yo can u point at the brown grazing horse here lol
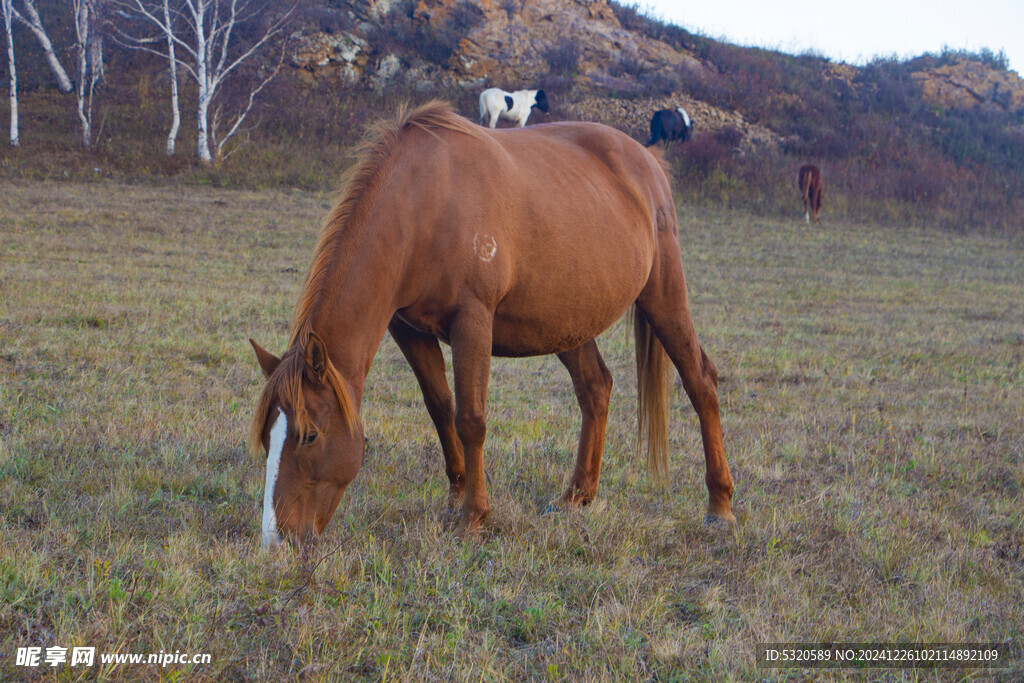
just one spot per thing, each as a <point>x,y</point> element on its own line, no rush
<point>514,242</point>
<point>811,189</point>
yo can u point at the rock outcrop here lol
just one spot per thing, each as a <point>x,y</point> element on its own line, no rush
<point>527,39</point>
<point>342,56</point>
<point>506,43</point>
<point>968,84</point>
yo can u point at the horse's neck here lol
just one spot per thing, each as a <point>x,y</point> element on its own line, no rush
<point>355,306</point>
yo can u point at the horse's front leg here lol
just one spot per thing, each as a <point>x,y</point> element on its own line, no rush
<point>471,340</point>
<point>424,355</point>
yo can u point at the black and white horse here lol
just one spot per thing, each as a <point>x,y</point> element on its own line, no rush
<point>670,124</point>
<point>516,106</point>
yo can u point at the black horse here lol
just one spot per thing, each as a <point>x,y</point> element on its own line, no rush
<point>670,124</point>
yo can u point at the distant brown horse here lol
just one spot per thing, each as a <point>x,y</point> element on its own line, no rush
<point>512,242</point>
<point>811,189</point>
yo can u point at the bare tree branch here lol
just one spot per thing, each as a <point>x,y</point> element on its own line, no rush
<point>32,21</point>
<point>248,108</point>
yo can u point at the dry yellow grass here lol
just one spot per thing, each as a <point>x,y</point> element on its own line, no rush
<point>873,402</point>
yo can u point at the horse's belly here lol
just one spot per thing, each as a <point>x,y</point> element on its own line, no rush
<point>530,336</point>
<point>553,312</point>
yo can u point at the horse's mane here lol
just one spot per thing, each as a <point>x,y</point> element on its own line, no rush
<point>371,156</point>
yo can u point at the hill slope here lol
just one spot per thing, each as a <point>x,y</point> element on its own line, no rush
<point>937,139</point>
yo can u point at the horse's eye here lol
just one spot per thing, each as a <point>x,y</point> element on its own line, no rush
<point>309,438</point>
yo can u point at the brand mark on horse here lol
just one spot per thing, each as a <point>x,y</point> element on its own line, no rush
<point>485,247</point>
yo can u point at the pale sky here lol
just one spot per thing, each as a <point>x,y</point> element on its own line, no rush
<point>857,31</point>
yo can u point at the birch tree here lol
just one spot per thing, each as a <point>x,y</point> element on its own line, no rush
<point>29,17</point>
<point>12,70</point>
<point>86,14</point>
<point>203,39</point>
<point>172,136</point>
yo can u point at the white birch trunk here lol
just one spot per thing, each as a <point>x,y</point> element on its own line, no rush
<point>35,24</point>
<point>12,72</point>
<point>86,76</point>
<point>172,136</point>
<point>203,81</point>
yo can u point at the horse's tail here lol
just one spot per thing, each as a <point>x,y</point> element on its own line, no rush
<point>652,383</point>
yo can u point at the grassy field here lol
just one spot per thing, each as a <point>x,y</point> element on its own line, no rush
<point>872,384</point>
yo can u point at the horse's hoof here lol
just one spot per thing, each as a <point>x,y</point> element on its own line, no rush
<point>574,499</point>
<point>469,532</point>
<point>470,525</point>
<point>720,520</point>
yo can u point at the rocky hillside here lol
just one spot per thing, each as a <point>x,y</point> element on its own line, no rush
<point>511,41</point>
<point>968,84</point>
<point>935,138</point>
<point>581,44</point>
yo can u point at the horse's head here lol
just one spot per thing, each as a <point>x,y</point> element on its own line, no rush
<point>307,423</point>
<point>540,100</point>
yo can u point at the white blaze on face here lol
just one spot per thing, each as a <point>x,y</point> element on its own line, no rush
<point>686,117</point>
<point>278,433</point>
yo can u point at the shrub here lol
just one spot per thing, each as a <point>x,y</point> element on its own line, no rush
<point>729,136</point>
<point>705,154</point>
<point>563,59</point>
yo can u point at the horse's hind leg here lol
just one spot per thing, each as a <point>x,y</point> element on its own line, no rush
<point>664,303</point>
<point>424,355</point>
<point>593,385</point>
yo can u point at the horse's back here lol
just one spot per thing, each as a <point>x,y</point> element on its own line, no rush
<point>548,169</point>
<point>809,175</point>
<point>574,181</point>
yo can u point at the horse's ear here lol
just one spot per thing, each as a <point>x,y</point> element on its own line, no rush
<point>316,357</point>
<point>268,361</point>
